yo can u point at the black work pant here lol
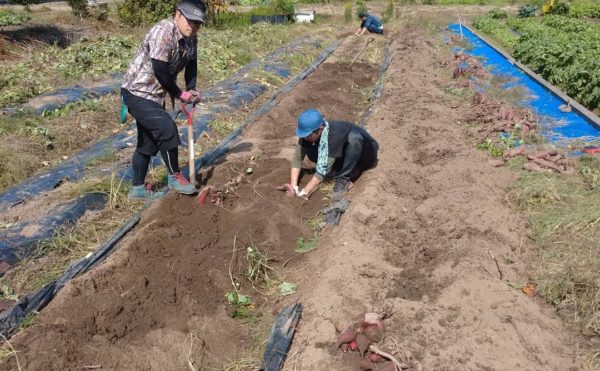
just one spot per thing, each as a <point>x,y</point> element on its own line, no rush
<point>375,30</point>
<point>156,132</point>
<point>360,154</point>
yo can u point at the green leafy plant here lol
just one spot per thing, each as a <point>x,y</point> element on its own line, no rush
<point>7,292</point>
<point>287,288</point>
<point>348,11</point>
<point>79,8</point>
<point>527,10</point>
<point>494,149</point>
<point>555,7</point>
<point>242,303</point>
<point>497,29</point>
<point>591,10</point>
<point>389,11</point>
<point>498,13</point>
<point>9,18</point>
<point>145,12</point>
<point>284,7</point>
<point>361,7</point>
<point>303,246</point>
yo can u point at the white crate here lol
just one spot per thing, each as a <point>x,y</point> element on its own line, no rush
<point>303,16</point>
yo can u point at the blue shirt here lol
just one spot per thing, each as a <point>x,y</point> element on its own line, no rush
<point>372,23</point>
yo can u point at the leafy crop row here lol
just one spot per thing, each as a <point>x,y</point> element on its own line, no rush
<point>591,10</point>
<point>8,18</point>
<point>497,29</point>
<point>562,50</point>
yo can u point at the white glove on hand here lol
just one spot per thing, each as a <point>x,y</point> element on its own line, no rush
<point>296,189</point>
<point>301,193</point>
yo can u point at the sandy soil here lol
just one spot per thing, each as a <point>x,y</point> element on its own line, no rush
<point>416,243</point>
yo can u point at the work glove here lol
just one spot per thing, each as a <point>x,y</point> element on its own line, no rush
<point>301,193</point>
<point>186,97</point>
<point>196,96</point>
<point>289,189</point>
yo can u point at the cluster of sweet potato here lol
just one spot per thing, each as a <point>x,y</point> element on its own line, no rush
<point>361,337</point>
<point>467,66</point>
<point>498,117</point>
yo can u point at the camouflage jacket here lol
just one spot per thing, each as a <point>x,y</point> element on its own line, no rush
<point>165,43</point>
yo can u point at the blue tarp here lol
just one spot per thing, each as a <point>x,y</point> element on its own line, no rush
<point>557,126</point>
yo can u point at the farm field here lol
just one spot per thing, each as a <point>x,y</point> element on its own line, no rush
<point>473,240</point>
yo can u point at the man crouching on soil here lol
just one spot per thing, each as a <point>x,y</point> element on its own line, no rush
<point>341,150</point>
<point>168,48</point>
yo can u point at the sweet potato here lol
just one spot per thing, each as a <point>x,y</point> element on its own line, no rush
<point>375,358</point>
<point>366,365</point>
<point>532,166</point>
<point>201,199</point>
<point>345,337</point>
<point>548,164</point>
<point>513,152</point>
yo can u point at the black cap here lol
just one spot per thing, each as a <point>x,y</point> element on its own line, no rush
<point>363,14</point>
<point>193,10</point>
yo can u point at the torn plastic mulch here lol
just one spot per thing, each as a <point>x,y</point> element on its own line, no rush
<point>25,236</point>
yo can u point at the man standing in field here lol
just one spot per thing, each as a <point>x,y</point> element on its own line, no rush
<point>369,23</point>
<point>168,48</point>
<point>341,150</point>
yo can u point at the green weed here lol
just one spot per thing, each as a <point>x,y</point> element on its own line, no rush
<point>10,18</point>
<point>303,246</point>
<point>105,157</point>
<point>494,149</point>
<point>84,105</point>
<point>6,292</point>
<point>348,11</point>
<point>564,222</point>
<point>29,320</point>
<point>258,269</point>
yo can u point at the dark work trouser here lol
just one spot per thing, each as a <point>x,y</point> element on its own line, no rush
<point>156,132</point>
<point>359,155</point>
<point>375,30</point>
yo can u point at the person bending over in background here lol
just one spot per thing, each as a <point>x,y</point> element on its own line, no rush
<point>341,150</point>
<point>369,23</point>
<point>168,48</point>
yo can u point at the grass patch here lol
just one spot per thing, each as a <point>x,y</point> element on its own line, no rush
<point>17,161</point>
<point>564,220</point>
<point>53,256</point>
<point>105,157</point>
<point>303,246</point>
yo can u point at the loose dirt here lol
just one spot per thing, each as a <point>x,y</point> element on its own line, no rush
<point>416,243</point>
<point>159,301</point>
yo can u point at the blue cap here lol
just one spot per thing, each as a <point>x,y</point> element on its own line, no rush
<point>308,121</point>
